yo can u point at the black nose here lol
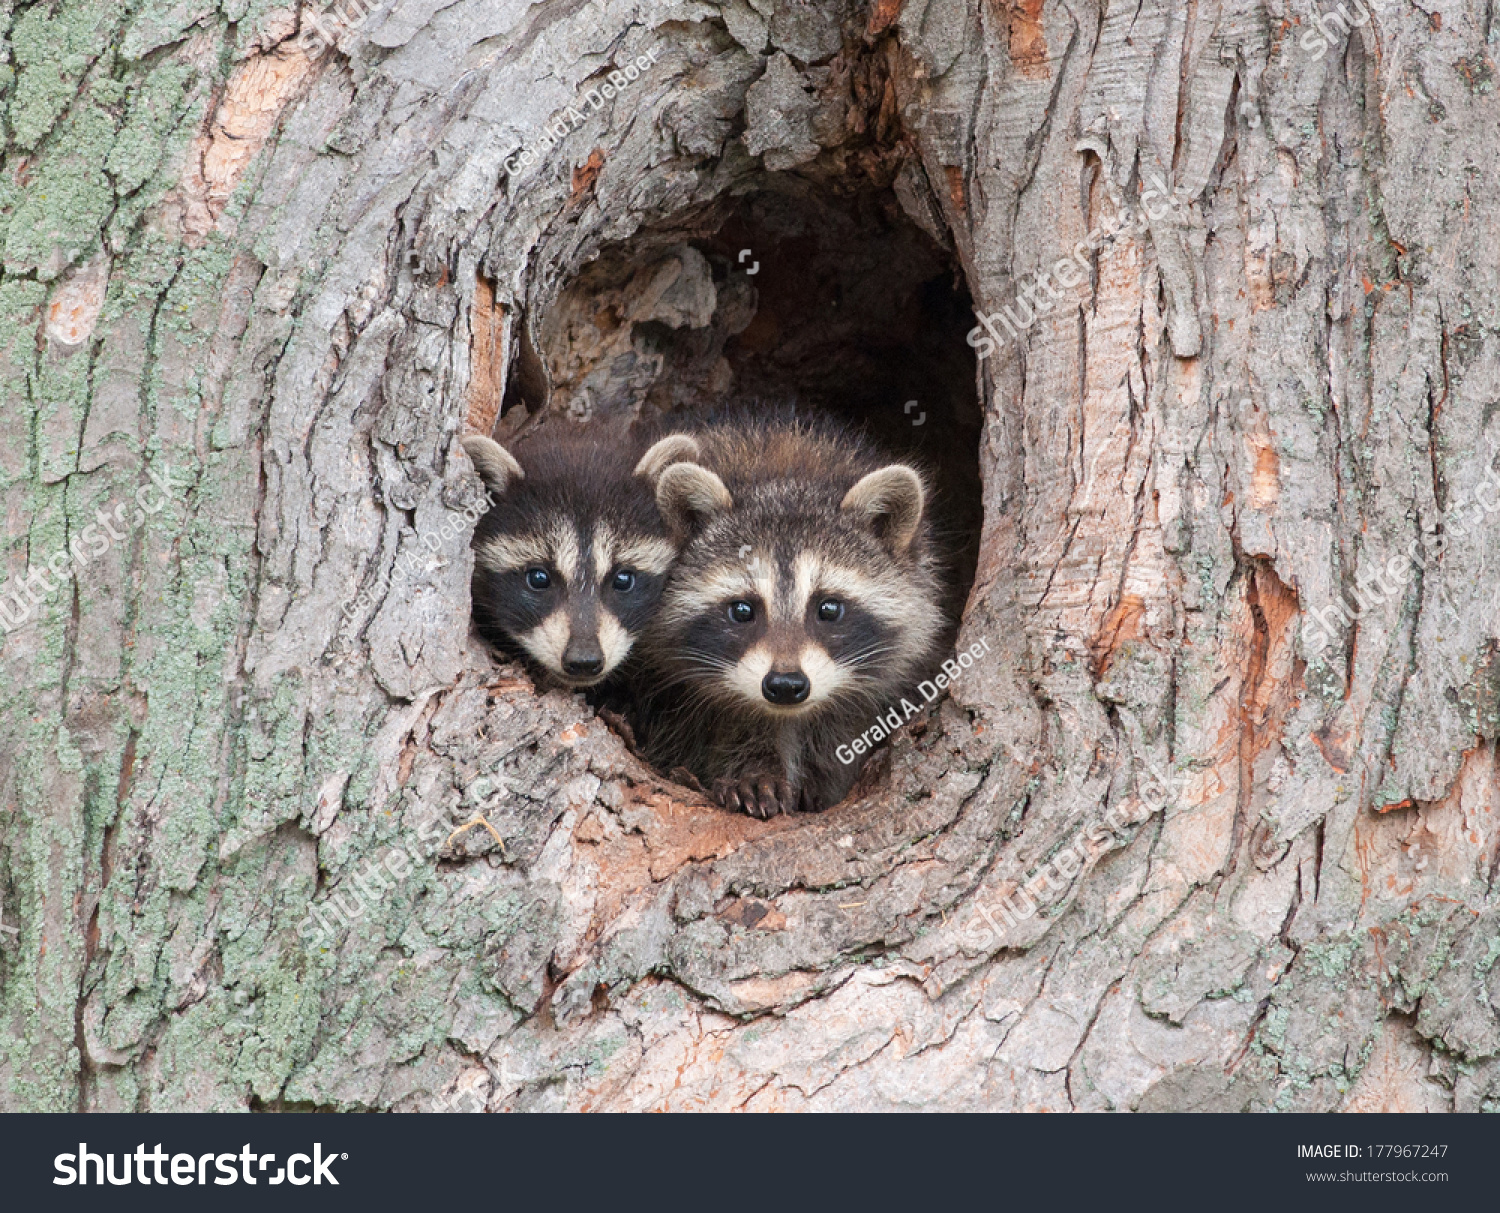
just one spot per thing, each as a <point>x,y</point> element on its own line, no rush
<point>583,667</point>
<point>785,688</point>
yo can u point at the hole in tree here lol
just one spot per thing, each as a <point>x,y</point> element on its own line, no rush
<point>836,304</point>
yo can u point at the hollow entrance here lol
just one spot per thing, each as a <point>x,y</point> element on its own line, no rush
<point>790,295</point>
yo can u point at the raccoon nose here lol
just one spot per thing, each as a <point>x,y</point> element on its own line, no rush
<point>583,659</point>
<point>785,688</point>
<point>583,667</point>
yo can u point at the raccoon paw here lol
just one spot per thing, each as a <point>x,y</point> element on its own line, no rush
<point>808,803</point>
<point>762,797</point>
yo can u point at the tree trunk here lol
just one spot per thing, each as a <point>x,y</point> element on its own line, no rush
<point>283,278</point>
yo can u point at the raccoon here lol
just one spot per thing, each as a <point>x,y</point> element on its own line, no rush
<point>806,596</point>
<point>571,557</point>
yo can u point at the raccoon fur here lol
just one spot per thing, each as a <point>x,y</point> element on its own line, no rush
<point>571,557</point>
<point>805,598</point>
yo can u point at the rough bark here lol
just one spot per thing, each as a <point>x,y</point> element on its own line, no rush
<point>293,278</point>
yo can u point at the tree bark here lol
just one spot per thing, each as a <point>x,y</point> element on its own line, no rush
<point>283,278</point>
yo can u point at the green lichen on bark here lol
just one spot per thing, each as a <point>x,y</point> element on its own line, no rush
<point>53,48</point>
<point>67,199</point>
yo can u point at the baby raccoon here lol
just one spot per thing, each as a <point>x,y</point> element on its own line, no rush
<point>805,598</point>
<point>571,557</point>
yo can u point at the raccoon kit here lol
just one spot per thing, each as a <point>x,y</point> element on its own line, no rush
<point>571,557</point>
<point>805,598</point>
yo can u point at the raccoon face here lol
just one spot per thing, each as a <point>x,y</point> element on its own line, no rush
<point>569,569</point>
<point>787,606</point>
<point>573,597</point>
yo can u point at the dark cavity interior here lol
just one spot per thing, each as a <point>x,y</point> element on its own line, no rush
<point>788,295</point>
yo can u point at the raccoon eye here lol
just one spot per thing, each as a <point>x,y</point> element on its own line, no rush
<point>830,610</point>
<point>624,581</point>
<point>741,612</point>
<point>538,579</point>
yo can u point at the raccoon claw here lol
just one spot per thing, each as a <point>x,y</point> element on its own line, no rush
<point>620,725</point>
<point>761,798</point>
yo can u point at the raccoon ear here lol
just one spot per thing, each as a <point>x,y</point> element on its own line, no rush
<point>674,448</point>
<point>892,499</point>
<point>497,467</point>
<point>687,495</point>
